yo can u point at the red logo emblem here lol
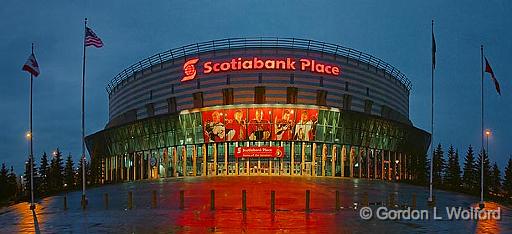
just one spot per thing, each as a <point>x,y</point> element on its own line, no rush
<point>189,70</point>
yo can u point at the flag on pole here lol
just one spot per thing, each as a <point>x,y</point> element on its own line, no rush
<point>433,50</point>
<point>31,65</point>
<point>91,39</point>
<point>488,69</point>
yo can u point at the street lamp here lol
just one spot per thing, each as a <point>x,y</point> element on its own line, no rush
<point>487,134</point>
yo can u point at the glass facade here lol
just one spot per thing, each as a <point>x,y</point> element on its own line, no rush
<point>317,141</point>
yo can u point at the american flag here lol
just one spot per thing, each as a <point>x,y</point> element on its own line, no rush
<point>91,39</point>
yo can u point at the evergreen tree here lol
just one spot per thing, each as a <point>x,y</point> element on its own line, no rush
<point>27,176</point>
<point>438,167</point>
<point>69,173</point>
<point>3,182</point>
<point>452,175</point>
<point>420,170</point>
<point>495,185</point>
<point>44,171</point>
<point>507,183</point>
<point>79,173</point>
<point>487,170</point>
<point>12,184</point>
<point>470,172</point>
<point>56,175</point>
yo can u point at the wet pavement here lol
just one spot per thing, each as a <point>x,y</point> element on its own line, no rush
<point>290,215</point>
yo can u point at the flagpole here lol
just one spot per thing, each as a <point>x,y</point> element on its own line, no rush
<point>430,198</point>
<point>482,130</point>
<point>83,201</point>
<point>32,205</point>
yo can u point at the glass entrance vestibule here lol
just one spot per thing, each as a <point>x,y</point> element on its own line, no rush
<point>218,159</point>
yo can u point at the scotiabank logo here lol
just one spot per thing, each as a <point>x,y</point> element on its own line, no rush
<point>189,70</point>
<point>255,63</point>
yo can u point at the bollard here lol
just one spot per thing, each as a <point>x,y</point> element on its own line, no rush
<point>244,200</point>
<point>391,202</point>
<point>307,200</point>
<point>364,203</point>
<point>212,199</point>
<point>106,200</point>
<point>337,200</point>
<point>83,202</point>
<point>65,201</point>
<point>272,201</point>
<point>153,199</point>
<point>182,199</point>
<point>413,201</point>
<point>130,200</point>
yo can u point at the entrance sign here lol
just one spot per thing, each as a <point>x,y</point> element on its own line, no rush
<point>255,63</point>
<point>259,152</point>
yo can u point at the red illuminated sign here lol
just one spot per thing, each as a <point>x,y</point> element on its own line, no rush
<point>255,63</point>
<point>189,70</point>
<point>259,152</point>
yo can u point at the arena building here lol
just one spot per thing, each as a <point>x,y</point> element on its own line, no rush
<point>259,106</point>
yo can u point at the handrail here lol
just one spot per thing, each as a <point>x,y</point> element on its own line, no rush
<point>257,42</point>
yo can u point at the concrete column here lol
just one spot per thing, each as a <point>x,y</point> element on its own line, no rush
<point>135,166</point>
<point>292,161</point>
<point>174,161</point>
<point>333,160</point>
<point>141,165</point>
<point>226,158</point>
<point>368,163</point>
<point>382,165</point>
<point>303,151</point>
<point>215,158</point>
<point>166,162</point>
<point>236,162</point>
<point>352,155</point>
<point>194,160</point>
<point>313,160</point>
<point>374,154</point>
<point>184,160</point>
<point>343,157</point>
<point>204,160</point>
<point>324,158</point>
<point>360,162</point>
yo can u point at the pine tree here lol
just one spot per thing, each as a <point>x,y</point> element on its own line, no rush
<point>26,178</point>
<point>438,167</point>
<point>44,171</point>
<point>487,170</point>
<point>452,175</point>
<point>69,173</point>
<point>56,175</point>
<point>420,169</point>
<point>470,172</point>
<point>3,182</point>
<point>13,184</point>
<point>507,183</point>
<point>495,185</point>
<point>79,173</point>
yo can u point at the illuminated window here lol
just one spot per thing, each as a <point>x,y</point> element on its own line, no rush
<point>198,99</point>
<point>321,97</point>
<point>171,105</point>
<point>291,95</point>
<point>150,109</point>
<point>347,101</point>
<point>227,96</point>
<point>368,106</point>
<point>259,95</point>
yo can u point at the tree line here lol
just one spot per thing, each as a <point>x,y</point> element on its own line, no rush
<point>449,174</point>
<point>52,175</point>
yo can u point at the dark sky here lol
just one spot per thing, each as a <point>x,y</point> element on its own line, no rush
<point>396,31</point>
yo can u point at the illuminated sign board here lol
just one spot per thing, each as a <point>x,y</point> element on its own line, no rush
<point>259,152</point>
<point>255,63</point>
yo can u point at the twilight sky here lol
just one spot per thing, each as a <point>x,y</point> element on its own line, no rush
<point>396,31</point>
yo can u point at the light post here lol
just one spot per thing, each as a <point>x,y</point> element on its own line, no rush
<point>486,151</point>
<point>487,134</point>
